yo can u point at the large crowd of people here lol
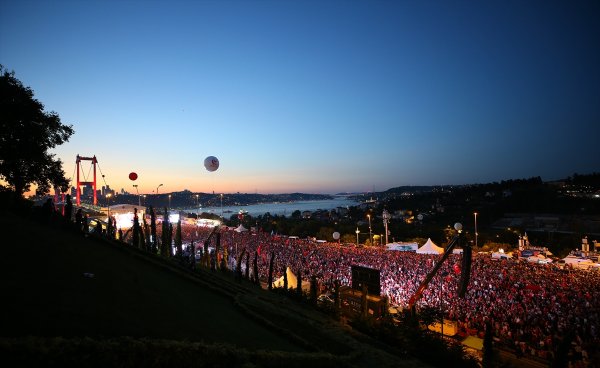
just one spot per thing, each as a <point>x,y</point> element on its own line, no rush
<point>534,309</point>
<point>531,308</point>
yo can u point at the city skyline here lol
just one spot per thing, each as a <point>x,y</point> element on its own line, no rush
<point>314,97</point>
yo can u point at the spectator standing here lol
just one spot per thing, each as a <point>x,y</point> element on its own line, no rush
<point>47,210</point>
<point>68,208</point>
<point>78,219</point>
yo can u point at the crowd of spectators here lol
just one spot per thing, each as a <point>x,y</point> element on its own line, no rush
<point>532,308</point>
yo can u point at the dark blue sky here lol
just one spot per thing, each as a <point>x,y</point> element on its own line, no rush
<point>315,96</point>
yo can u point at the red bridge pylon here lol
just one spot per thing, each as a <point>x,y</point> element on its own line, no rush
<point>80,183</point>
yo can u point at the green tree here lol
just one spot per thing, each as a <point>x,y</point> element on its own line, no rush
<point>27,133</point>
<point>348,238</point>
<point>326,233</point>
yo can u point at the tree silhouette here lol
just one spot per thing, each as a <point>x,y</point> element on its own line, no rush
<point>247,266</point>
<point>153,230</point>
<point>146,232</point>
<point>170,240</point>
<point>135,232</point>
<point>166,240</point>
<point>255,274</point>
<point>299,284</point>
<point>270,278</point>
<point>27,133</point>
<point>178,243</point>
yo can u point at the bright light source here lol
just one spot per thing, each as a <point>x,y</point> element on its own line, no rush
<point>124,220</point>
<point>173,217</point>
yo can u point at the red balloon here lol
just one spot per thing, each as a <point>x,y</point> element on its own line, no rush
<point>132,176</point>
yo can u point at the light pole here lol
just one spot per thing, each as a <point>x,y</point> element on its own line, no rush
<point>221,206</point>
<point>475,214</point>
<point>357,232</point>
<point>370,233</point>
<point>108,195</point>
<point>198,204</point>
<point>169,202</point>
<point>159,185</point>
<point>138,194</point>
<point>386,219</point>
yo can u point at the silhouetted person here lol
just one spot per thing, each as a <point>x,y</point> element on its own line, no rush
<point>68,208</point>
<point>85,227</point>
<point>47,210</point>
<point>78,220</point>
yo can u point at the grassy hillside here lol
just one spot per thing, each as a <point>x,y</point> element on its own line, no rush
<point>154,308</point>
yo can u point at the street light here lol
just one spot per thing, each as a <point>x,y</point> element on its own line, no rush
<point>138,193</point>
<point>475,214</point>
<point>159,185</point>
<point>357,232</point>
<point>169,201</point>
<point>386,219</point>
<point>197,203</point>
<point>221,205</point>
<point>108,195</point>
<point>370,233</point>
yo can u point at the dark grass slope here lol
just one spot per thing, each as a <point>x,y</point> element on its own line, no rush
<point>48,290</point>
<point>150,312</point>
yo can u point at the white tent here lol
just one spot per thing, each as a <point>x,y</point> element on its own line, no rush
<point>430,248</point>
<point>240,228</point>
<point>292,281</point>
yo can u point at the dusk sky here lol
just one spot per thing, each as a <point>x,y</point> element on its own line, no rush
<point>314,96</point>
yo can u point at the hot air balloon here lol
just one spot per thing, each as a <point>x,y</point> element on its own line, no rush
<point>132,176</point>
<point>211,163</point>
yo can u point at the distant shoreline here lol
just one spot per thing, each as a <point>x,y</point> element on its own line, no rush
<point>278,208</point>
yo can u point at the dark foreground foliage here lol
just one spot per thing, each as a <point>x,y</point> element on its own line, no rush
<point>127,352</point>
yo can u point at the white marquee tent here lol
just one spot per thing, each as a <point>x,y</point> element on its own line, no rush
<point>430,248</point>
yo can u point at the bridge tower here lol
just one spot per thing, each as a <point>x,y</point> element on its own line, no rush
<point>80,183</point>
